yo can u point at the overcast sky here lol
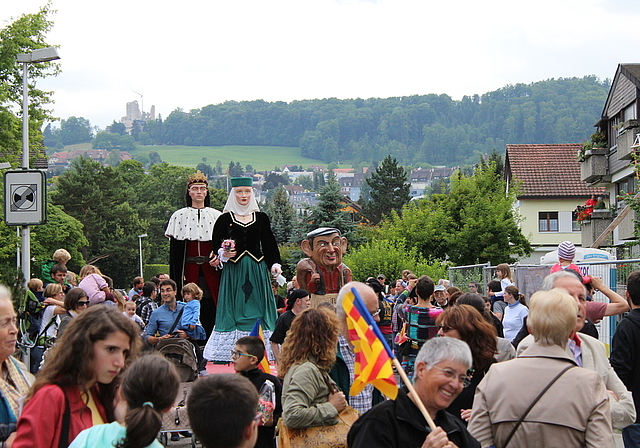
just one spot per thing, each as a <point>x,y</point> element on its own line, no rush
<point>191,53</point>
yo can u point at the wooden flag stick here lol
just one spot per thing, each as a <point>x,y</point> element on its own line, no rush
<point>413,393</point>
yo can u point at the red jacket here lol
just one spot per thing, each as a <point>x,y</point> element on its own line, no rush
<point>40,422</point>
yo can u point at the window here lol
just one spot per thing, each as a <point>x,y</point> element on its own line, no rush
<point>575,224</point>
<point>548,221</point>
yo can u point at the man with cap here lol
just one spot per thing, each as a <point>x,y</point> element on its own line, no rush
<point>440,296</point>
<point>298,300</point>
<point>323,273</point>
<point>190,232</point>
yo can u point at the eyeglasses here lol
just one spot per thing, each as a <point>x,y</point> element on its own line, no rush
<point>83,303</point>
<point>445,328</point>
<point>235,354</point>
<point>198,188</point>
<point>465,380</point>
<point>374,313</point>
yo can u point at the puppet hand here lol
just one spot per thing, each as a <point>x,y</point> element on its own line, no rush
<point>276,269</point>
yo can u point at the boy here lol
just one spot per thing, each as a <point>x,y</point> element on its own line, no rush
<point>246,356</point>
<point>222,411</point>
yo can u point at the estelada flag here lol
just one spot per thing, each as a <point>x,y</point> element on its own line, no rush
<point>257,331</point>
<point>373,355</point>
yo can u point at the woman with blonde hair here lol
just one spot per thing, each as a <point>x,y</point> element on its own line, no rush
<point>464,322</point>
<point>309,395</point>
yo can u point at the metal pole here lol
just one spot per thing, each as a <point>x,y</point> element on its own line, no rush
<point>140,246</point>
<point>26,233</point>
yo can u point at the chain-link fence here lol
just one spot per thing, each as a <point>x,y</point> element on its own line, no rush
<point>529,278</point>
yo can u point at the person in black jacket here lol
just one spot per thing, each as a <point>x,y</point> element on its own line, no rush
<point>440,375</point>
<point>246,357</point>
<point>625,358</point>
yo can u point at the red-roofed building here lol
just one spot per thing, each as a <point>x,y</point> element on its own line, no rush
<point>550,191</point>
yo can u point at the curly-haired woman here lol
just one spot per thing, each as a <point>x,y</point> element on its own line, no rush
<point>309,396</point>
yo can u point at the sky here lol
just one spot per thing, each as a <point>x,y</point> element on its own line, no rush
<point>192,53</point>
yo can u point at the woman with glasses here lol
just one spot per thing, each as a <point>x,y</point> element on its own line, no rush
<point>440,375</point>
<point>309,395</point>
<point>464,322</point>
<point>75,302</point>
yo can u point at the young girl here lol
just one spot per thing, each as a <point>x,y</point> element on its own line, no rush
<point>130,312</point>
<point>149,388</point>
<point>75,390</point>
<point>190,320</point>
<point>94,284</point>
<point>503,272</point>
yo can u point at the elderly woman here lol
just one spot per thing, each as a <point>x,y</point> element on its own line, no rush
<point>251,256</point>
<point>440,375</point>
<point>309,395</point>
<point>16,377</point>
<point>561,405</point>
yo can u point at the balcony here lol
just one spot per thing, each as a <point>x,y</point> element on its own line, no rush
<point>594,165</point>
<point>593,228</point>
<point>626,138</point>
<point>627,226</point>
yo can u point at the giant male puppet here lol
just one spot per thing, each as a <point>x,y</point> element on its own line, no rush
<point>323,273</point>
<point>190,231</point>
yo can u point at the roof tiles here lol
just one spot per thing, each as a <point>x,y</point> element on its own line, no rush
<point>548,170</point>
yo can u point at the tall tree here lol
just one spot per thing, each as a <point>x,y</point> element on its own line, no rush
<point>24,35</point>
<point>282,215</point>
<point>389,190</point>
<point>328,212</point>
<point>75,130</point>
<point>98,197</point>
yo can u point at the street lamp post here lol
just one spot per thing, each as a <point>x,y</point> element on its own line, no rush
<point>144,235</point>
<point>39,55</point>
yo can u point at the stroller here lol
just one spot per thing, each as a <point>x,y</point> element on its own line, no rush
<point>182,354</point>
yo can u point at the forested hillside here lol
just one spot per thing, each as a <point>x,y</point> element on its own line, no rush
<point>417,129</point>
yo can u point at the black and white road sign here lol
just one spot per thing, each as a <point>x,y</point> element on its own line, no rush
<point>24,193</point>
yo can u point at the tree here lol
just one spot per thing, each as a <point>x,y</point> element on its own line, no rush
<point>235,169</point>
<point>328,212</point>
<point>474,223</point>
<point>98,197</point>
<point>274,180</point>
<point>24,35</point>
<point>75,130</point>
<point>305,182</point>
<point>116,128</point>
<point>282,215</point>
<point>389,190</point>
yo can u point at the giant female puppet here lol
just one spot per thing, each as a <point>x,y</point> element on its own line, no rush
<point>250,257</point>
<point>190,230</point>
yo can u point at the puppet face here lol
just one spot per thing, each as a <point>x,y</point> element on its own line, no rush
<point>327,250</point>
<point>198,192</point>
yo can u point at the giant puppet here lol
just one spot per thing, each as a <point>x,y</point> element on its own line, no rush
<point>190,231</point>
<point>323,273</point>
<point>250,258</point>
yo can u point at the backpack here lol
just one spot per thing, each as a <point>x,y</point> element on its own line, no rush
<point>30,313</point>
<point>140,303</point>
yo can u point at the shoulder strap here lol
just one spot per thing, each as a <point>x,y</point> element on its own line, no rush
<point>533,403</point>
<point>175,322</point>
<point>66,420</point>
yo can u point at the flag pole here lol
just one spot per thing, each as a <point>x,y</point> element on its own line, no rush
<point>413,393</point>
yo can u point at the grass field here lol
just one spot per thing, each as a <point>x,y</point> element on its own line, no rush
<point>261,158</point>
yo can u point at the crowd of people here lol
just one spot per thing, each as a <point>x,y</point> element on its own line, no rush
<point>490,370</point>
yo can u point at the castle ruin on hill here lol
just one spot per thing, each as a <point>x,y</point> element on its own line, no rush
<point>134,114</point>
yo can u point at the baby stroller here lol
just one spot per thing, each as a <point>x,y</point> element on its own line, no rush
<point>182,354</point>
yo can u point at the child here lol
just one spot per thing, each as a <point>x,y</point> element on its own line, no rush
<point>130,312</point>
<point>222,411</point>
<point>246,356</point>
<point>94,284</point>
<point>61,257</point>
<point>148,389</point>
<point>566,254</point>
<point>190,320</point>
